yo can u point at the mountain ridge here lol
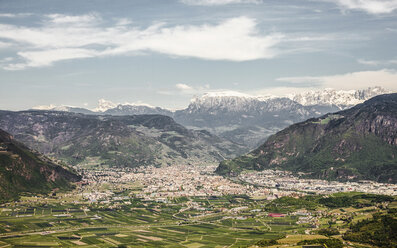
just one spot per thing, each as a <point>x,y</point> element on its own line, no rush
<point>357,143</point>
<point>121,141</point>
<point>241,118</point>
<point>340,98</point>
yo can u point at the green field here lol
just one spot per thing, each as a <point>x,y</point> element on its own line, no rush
<point>135,223</point>
<point>122,220</point>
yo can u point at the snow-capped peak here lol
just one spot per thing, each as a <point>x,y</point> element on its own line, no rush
<point>44,107</point>
<point>227,100</point>
<point>137,104</point>
<point>341,98</point>
<point>230,93</point>
<point>225,94</point>
<point>52,107</point>
<point>222,96</point>
<point>237,102</point>
<point>104,105</point>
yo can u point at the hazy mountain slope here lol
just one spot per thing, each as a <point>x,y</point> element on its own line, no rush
<point>137,110</point>
<point>64,108</point>
<point>124,141</point>
<point>358,143</point>
<point>238,117</point>
<point>24,170</point>
<point>249,120</point>
<point>244,119</point>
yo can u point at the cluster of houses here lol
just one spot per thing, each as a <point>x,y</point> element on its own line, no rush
<point>285,180</point>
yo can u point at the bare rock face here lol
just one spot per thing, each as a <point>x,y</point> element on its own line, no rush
<point>358,143</point>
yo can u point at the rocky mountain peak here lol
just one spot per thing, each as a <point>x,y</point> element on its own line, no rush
<point>341,98</point>
<point>104,105</point>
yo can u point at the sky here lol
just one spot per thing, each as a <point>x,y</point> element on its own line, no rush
<point>164,52</point>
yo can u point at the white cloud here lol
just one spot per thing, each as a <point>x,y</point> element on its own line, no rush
<point>66,19</point>
<point>369,6</point>
<point>376,62</point>
<point>7,59</point>
<point>4,44</point>
<point>12,15</point>
<point>7,15</point>
<point>235,39</point>
<point>48,57</point>
<point>219,2</point>
<point>62,37</point>
<point>183,87</point>
<point>362,79</point>
<point>368,62</point>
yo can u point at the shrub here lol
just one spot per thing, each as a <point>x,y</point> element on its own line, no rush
<point>330,243</point>
<point>266,242</point>
<point>328,231</point>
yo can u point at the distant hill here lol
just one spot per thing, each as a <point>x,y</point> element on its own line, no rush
<point>244,119</point>
<point>358,143</point>
<point>137,110</point>
<point>24,170</point>
<point>120,141</point>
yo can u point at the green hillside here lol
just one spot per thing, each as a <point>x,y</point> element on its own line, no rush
<point>358,143</point>
<point>115,141</point>
<point>24,170</point>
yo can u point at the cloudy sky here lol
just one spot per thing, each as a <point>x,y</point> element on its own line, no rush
<point>163,52</point>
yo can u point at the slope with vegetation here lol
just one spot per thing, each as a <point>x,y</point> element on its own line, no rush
<point>379,230</point>
<point>121,141</point>
<point>24,170</point>
<point>241,118</point>
<point>358,143</point>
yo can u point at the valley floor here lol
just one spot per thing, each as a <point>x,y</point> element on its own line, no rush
<point>181,206</point>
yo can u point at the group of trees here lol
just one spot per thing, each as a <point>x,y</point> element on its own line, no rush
<point>359,200</point>
<point>379,231</point>
<point>330,243</point>
<point>328,231</point>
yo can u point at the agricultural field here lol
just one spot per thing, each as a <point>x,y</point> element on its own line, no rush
<point>119,219</point>
<point>133,223</point>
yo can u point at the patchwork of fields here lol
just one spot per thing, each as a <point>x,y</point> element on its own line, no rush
<point>121,219</point>
<point>138,224</point>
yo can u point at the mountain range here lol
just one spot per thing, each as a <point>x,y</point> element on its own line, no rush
<point>24,170</point>
<point>121,141</point>
<point>342,99</point>
<point>241,118</point>
<point>357,143</point>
